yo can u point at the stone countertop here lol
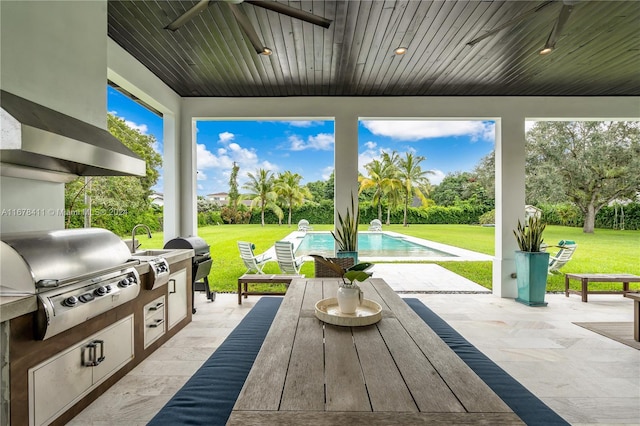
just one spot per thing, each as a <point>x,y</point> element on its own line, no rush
<point>15,306</point>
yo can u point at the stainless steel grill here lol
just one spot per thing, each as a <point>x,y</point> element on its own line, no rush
<point>76,274</point>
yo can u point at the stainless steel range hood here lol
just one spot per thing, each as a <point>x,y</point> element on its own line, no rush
<point>39,143</point>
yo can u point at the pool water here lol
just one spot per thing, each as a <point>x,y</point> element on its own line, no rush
<point>375,244</point>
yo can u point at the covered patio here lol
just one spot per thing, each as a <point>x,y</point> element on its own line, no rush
<point>465,60</point>
<point>584,377</point>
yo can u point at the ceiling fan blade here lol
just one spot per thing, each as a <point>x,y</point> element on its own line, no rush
<point>559,25</point>
<point>292,11</point>
<point>188,15</point>
<point>509,23</point>
<point>247,28</point>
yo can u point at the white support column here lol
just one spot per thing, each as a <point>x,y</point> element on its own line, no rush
<point>171,173</point>
<point>345,161</point>
<point>510,195</point>
<point>188,167</point>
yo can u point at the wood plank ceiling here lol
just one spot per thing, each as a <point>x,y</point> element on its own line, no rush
<point>597,53</point>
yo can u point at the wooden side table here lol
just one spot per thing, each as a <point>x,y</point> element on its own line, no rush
<point>625,279</point>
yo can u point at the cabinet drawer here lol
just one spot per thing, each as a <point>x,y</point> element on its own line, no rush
<point>154,320</point>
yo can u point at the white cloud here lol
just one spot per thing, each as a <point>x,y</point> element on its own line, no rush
<point>528,125</point>
<point>370,145</point>
<point>304,123</point>
<point>437,177</point>
<point>225,137</point>
<point>201,175</point>
<point>413,130</point>
<point>326,172</point>
<point>142,128</point>
<point>319,142</point>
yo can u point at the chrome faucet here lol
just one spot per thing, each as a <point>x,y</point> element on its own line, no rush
<point>133,236</point>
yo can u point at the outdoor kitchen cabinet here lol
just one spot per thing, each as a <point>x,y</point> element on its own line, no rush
<point>60,381</point>
<point>177,305</point>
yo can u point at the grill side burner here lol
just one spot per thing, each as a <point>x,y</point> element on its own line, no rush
<point>76,274</point>
<point>200,266</point>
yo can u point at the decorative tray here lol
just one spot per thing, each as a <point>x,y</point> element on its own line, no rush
<point>369,312</point>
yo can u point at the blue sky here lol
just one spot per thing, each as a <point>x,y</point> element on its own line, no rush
<point>306,147</point>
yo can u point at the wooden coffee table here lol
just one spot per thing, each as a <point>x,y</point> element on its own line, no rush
<point>397,371</point>
<point>636,315</point>
<point>585,279</point>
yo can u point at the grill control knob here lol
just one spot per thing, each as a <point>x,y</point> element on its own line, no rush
<point>100,291</point>
<point>132,280</point>
<point>124,283</point>
<point>70,301</point>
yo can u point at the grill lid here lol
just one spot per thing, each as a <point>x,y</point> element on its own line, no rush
<point>27,258</point>
<point>199,246</point>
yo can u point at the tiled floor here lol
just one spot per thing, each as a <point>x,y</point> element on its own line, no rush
<point>584,377</point>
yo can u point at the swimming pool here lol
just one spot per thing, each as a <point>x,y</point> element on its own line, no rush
<point>373,244</point>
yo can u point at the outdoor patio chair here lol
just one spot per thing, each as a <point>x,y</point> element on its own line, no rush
<point>557,261</point>
<point>288,263</point>
<point>251,261</point>
<point>375,225</point>
<point>304,226</point>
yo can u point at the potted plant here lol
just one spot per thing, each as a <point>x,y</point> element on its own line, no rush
<point>349,293</point>
<point>532,264</point>
<point>346,233</point>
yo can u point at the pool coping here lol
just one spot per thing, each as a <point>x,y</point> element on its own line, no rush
<point>461,255</point>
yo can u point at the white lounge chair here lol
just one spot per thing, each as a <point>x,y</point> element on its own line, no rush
<point>251,261</point>
<point>375,225</point>
<point>557,261</point>
<point>304,226</point>
<point>289,264</point>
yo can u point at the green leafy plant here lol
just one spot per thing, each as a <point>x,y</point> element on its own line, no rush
<point>346,234</point>
<point>529,236</point>
<point>356,272</point>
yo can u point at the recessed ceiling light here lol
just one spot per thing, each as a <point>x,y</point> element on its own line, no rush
<point>546,50</point>
<point>400,51</point>
<point>266,51</point>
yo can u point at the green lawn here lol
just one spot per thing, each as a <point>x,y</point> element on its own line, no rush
<point>605,251</point>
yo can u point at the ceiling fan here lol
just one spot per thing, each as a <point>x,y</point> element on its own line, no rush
<point>243,20</point>
<point>563,17</point>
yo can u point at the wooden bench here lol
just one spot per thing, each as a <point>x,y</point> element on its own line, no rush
<point>636,315</point>
<point>246,279</point>
<point>625,279</point>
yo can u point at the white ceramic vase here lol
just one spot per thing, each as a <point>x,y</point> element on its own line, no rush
<point>349,298</point>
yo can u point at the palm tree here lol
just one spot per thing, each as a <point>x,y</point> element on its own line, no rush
<point>393,185</point>
<point>289,190</point>
<point>413,178</point>
<point>261,192</point>
<point>381,179</point>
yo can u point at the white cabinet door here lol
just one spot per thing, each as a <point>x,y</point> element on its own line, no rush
<point>57,384</point>
<point>65,378</point>
<point>177,304</point>
<point>118,349</point>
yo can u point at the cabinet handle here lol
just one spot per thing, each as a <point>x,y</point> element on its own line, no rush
<point>174,285</point>
<point>93,358</point>
<point>157,306</point>
<point>158,323</point>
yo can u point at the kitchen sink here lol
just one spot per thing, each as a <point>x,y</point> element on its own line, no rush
<point>152,253</point>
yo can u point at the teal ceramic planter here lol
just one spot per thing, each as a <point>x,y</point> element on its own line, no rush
<point>353,254</point>
<point>531,271</point>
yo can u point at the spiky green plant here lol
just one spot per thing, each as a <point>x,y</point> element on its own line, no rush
<point>346,234</point>
<point>529,236</point>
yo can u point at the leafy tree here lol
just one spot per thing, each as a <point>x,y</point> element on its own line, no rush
<point>262,193</point>
<point>413,178</point>
<point>485,172</point>
<point>118,201</point>
<point>375,182</point>
<point>590,163</point>
<point>461,187</point>
<point>288,188</point>
<point>393,186</point>
<point>233,186</point>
